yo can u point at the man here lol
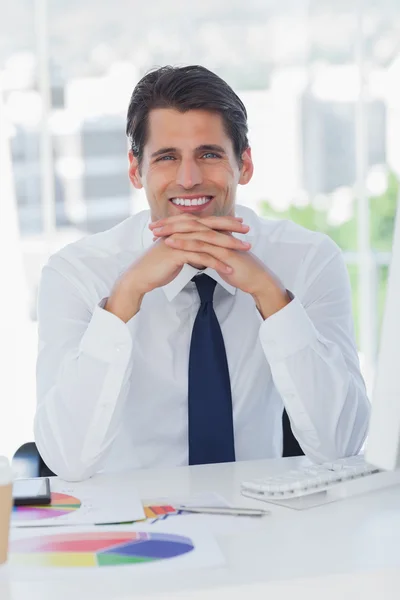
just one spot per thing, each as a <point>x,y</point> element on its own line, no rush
<point>180,335</point>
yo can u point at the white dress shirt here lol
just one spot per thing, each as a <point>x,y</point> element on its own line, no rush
<point>113,396</point>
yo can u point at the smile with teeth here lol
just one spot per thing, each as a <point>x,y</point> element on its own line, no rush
<point>192,201</point>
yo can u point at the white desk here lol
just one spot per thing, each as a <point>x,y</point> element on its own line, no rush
<point>348,549</point>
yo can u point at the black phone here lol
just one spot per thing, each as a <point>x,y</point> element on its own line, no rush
<point>31,491</point>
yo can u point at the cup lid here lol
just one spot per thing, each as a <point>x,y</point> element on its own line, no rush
<point>6,474</point>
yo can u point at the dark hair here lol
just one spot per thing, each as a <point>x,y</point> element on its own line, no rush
<point>185,88</point>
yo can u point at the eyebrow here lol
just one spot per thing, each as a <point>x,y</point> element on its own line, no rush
<point>163,151</point>
<point>202,148</point>
<point>210,148</point>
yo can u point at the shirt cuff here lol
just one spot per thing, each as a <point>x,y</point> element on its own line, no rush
<point>107,338</point>
<point>287,331</point>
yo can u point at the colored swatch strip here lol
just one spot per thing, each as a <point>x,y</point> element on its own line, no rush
<point>155,511</point>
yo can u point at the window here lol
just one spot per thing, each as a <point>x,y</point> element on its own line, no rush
<point>325,148</point>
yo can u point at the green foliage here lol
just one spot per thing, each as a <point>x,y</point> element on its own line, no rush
<point>383,211</point>
<point>382,217</point>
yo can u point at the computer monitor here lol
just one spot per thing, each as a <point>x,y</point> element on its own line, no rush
<point>383,442</point>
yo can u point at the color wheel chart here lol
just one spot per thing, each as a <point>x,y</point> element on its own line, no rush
<point>61,504</point>
<point>103,549</point>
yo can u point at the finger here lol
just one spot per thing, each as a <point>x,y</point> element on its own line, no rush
<point>209,236</point>
<point>186,217</point>
<point>179,227</point>
<point>192,226</point>
<point>224,255</point>
<point>183,216</point>
<point>221,222</point>
<point>206,260</point>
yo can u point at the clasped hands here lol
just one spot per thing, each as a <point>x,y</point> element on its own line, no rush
<point>235,263</point>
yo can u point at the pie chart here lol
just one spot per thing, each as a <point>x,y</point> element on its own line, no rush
<point>61,504</point>
<point>92,549</point>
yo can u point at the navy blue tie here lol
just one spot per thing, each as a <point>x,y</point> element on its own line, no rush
<point>211,437</point>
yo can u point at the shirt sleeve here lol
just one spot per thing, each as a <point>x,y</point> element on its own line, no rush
<point>83,369</point>
<point>310,346</point>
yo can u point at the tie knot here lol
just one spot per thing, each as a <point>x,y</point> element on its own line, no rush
<point>205,286</point>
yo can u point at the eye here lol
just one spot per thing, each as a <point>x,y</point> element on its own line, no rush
<point>211,155</point>
<point>164,158</point>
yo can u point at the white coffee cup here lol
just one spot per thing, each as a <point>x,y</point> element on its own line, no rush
<point>6,479</point>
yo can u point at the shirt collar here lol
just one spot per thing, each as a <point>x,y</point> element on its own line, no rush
<point>187,273</point>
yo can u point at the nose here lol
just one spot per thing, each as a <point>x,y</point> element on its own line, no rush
<point>189,174</point>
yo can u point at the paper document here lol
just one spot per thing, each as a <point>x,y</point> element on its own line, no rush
<point>102,499</point>
<point>95,551</point>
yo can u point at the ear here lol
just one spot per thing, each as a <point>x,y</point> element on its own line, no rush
<point>246,171</point>
<point>134,171</point>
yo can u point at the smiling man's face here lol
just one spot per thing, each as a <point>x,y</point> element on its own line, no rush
<point>189,165</point>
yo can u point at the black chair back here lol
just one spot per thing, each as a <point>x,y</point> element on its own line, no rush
<point>291,446</point>
<point>27,462</point>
